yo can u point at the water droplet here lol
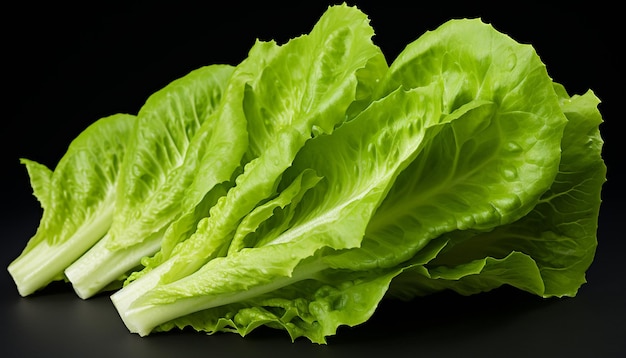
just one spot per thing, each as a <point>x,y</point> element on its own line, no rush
<point>513,147</point>
<point>509,172</point>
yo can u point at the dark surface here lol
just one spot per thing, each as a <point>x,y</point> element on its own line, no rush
<point>67,67</point>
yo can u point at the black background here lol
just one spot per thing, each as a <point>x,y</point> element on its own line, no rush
<point>66,66</point>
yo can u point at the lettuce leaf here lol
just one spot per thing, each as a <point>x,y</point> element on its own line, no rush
<point>77,199</point>
<point>181,149</point>
<point>490,165</point>
<point>548,251</point>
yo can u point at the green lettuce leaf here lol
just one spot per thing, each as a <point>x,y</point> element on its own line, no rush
<point>487,167</point>
<point>231,111</point>
<point>557,238</point>
<point>179,132</point>
<point>182,147</point>
<point>77,199</point>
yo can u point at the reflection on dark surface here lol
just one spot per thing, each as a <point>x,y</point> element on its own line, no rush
<point>444,322</point>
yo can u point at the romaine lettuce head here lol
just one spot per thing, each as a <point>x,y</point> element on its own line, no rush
<point>306,184</point>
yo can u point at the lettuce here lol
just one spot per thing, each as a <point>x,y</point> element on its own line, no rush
<point>301,187</point>
<point>78,200</point>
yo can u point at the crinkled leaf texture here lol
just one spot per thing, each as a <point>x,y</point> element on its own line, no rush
<point>180,133</point>
<point>182,148</point>
<point>77,198</point>
<point>548,251</point>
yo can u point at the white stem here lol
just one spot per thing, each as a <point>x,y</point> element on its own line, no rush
<point>44,263</point>
<point>144,318</point>
<point>101,266</point>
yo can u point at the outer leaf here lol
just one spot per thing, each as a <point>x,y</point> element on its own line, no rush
<point>560,232</point>
<point>166,156</point>
<point>516,269</point>
<point>231,110</point>
<point>77,198</point>
<point>182,148</point>
<point>311,308</point>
